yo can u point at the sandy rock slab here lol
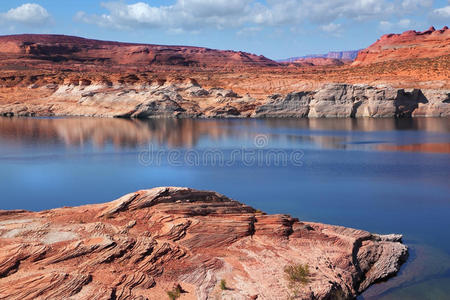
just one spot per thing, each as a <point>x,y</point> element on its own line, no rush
<point>142,245</point>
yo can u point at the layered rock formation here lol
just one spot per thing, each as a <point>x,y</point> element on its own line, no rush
<point>409,44</point>
<point>319,61</point>
<point>342,100</point>
<point>341,55</point>
<point>189,100</point>
<point>145,243</point>
<point>45,75</point>
<point>62,52</point>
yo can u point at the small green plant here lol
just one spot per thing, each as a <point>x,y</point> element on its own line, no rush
<point>173,295</point>
<point>296,275</point>
<point>223,285</point>
<point>175,292</point>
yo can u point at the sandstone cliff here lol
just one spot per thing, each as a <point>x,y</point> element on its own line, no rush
<point>409,44</point>
<point>319,61</point>
<point>341,55</point>
<point>141,245</point>
<point>62,52</point>
<point>45,75</point>
<point>131,98</point>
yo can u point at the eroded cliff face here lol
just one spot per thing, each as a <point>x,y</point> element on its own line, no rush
<point>187,99</point>
<point>141,245</point>
<point>400,75</point>
<point>409,44</point>
<point>343,100</point>
<point>61,52</point>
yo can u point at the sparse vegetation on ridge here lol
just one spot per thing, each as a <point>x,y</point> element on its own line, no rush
<point>223,285</point>
<point>296,275</point>
<point>175,293</point>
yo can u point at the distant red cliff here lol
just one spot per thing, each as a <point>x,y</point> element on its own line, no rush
<point>70,50</point>
<point>57,75</point>
<point>410,44</point>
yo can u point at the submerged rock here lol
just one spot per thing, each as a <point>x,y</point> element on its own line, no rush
<point>142,245</point>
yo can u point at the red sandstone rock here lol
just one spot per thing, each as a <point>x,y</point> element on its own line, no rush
<point>145,243</point>
<point>408,45</point>
<point>45,75</point>
<point>62,51</point>
<point>320,61</point>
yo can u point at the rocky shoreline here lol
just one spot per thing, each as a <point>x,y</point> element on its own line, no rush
<point>190,100</point>
<point>142,245</point>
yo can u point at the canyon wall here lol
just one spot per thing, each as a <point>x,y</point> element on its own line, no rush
<point>62,52</point>
<point>401,75</point>
<point>190,100</point>
<point>409,44</point>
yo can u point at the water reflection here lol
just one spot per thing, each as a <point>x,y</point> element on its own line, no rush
<point>360,134</point>
<point>48,163</point>
<point>100,132</point>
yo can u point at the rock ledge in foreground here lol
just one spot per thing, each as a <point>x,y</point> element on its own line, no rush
<point>141,245</point>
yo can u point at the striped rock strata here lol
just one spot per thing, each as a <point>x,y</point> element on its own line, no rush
<point>189,100</point>
<point>141,245</point>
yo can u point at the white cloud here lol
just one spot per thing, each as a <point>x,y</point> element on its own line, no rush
<point>248,31</point>
<point>184,14</point>
<point>329,10</point>
<point>31,14</point>
<point>404,23</point>
<point>441,14</point>
<point>332,28</point>
<point>399,25</point>
<point>412,5</point>
<point>197,15</point>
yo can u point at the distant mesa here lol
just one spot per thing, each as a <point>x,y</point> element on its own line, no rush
<point>61,52</point>
<point>62,49</point>
<point>410,44</point>
<point>320,59</point>
<point>407,45</point>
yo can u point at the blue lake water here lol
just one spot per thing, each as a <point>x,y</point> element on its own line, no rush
<point>385,176</point>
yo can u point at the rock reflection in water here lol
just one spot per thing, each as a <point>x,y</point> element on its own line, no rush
<point>175,133</point>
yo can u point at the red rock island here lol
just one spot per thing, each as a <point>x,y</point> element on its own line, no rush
<point>152,242</point>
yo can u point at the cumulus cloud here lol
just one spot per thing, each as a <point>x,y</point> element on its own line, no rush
<point>441,14</point>
<point>401,24</point>
<point>202,14</point>
<point>31,14</point>
<point>413,5</point>
<point>248,31</point>
<point>184,14</point>
<point>332,28</point>
<point>326,11</point>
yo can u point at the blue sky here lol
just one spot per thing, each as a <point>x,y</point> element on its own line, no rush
<point>274,28</point>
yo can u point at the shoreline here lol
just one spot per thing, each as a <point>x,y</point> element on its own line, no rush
<point>190,100</point>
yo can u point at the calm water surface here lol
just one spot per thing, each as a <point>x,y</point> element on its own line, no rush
<point>385,176</point>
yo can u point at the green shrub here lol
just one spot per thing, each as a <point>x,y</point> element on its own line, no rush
<point>174,293</point>
<point>296,275</point>
<point>223,285</point>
